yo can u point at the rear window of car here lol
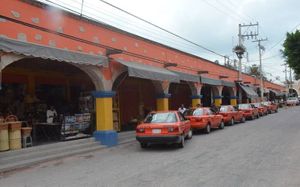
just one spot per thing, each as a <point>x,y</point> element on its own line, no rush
<point>198,112</point>
<point>168,117</point>
<point>244,106</point>
<point>223,109</point>
<point>256,104</point>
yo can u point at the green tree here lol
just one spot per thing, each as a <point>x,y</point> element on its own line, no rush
<point>291,51</point>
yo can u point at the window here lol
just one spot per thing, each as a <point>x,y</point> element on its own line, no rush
<point>169,117</point>
<point>224,109</point>
<point>198,112</point>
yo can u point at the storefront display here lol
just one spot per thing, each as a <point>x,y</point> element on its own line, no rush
<point>73,125</point>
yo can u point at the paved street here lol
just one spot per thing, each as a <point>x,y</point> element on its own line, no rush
<point>264,152</point>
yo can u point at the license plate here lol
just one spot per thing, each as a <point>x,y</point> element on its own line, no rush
<point>156,131</point>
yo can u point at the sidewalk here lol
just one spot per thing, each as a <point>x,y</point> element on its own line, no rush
<point>12,160</point>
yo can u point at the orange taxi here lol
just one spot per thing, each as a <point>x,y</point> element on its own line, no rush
<point>231,115</point>
<point>262,109</point>
<point>250,111</point>
<point>272,107</point>
<point>164,127</point>
<point>204,118</point>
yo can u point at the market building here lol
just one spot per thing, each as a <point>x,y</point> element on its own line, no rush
<point>100,79</point>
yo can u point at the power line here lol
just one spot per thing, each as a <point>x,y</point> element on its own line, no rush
<point>153,34</point>
<point>137,17</point>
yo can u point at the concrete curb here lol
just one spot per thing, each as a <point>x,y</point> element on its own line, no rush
<point>33,162</point>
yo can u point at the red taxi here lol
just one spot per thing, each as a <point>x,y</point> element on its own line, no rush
<point>262,109</point>
<point>231,115</point>
<point>272,107</point>
<point>164,127</point>
<point>250,112</point>
<point>204,118</point>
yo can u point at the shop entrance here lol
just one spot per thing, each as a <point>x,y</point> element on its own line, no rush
<point>134,99</point>
<point>227,92</point>
<point>180,94</point>
<point>54,98</point>
<point>208,92</point>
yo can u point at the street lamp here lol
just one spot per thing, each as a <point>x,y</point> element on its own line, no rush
<point>239,51</point>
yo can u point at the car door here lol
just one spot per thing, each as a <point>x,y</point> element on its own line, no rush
<point>184,123</point>
<point>231,112</point>
<point>212,117</point>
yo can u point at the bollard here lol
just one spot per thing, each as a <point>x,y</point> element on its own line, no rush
<point>4,145</point>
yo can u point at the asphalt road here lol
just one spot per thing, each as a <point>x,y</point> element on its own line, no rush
<point>263,152</point>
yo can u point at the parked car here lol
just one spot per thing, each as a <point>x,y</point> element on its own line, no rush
<point>231,115</point>
<point>262,109</point>
<point>292,101</point>
<point>204,118</point>
<point>166,127</point>
<point>272,107</point>
<point>250,111</point>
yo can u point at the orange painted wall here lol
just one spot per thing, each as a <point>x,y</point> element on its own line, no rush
<point>85,34</point>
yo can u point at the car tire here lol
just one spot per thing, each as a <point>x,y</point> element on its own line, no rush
<point>231,122</point>
<point>207,129</point>
<point>221,126</point>
<point>243,120</point>
<point>276,110</point>
<point>257,116</point>
<point>190,134</point>
<point>181,143</point>
<point>252,117</point>
<point>144,145</point>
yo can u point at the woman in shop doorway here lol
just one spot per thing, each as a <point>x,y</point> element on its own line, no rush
<point>51,114</point>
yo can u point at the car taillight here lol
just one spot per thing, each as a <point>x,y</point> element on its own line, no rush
<point>140,130</point>
<point>172,129</point>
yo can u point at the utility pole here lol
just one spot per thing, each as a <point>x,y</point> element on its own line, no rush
<point>260,49</point>
<point>250,33</point>
<point>291,80</point>
<point>286,78</point>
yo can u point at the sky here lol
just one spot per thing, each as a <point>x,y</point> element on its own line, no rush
<point>212,24</point>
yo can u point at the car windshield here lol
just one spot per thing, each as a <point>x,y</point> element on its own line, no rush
<point>168,117</point>
<point>198,112</point>
<point>244,106</point>
<point>223,109</point>
<point>256,104</point>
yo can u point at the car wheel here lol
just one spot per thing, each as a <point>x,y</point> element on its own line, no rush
<point>207,129</point>
<point>252,117</point>
<point>257,116</point>
<point>181,143</point>
<point>231,122</point>
<point>190,134</point>
<point>243,120</point>
<point>276,110</point>
<point>221,126</point>
<point>144,145</point>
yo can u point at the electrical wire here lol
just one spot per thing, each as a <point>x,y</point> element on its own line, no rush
<point>165,30</point>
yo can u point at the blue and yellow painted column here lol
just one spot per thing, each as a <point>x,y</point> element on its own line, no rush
<point>104,118</point>
<point>218,100</point>
<point>162,102</point>
<point>233,100</point>
<point>196,100</point>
